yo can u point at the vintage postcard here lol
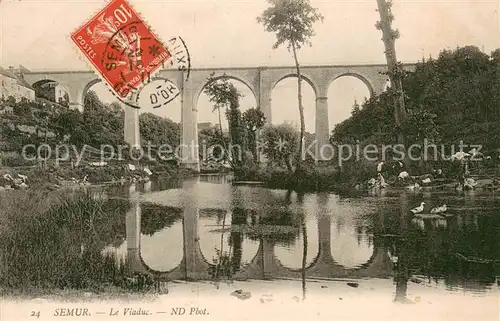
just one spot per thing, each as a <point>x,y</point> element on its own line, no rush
<point>249,160</point>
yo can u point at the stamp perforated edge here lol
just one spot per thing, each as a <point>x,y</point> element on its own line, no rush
<point>99,75</point>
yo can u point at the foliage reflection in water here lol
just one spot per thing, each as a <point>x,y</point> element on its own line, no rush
<point>375,235</point>
<point>460,252</point>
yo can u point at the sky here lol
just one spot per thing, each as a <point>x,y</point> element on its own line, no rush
<point>224,33</point>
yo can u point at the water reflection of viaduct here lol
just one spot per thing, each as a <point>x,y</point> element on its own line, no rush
<point>264,265</point>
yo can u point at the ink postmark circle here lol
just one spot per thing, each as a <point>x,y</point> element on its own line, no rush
<point>158,93</point>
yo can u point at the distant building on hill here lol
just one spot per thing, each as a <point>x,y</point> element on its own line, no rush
<point>5,109</point>
<point>14,86</point>
<point>53,91</point>
<point>46,89</point>
<point>206,125</point>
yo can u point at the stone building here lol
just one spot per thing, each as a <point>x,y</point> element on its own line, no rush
<point>205,125</point>
<point>53,91</point>
<point>5,109</point>
<point>14,86</point>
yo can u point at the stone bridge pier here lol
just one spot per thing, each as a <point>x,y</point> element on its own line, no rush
<point>193,265</point>
<point>133,233</point>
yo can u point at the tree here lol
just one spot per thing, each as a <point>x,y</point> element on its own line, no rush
<point>355,108</point>
<point>116,107</point>
<point>292,22</point>
<point>452,98</point>
<point>223,94</point>
<point>156,217</point>
<point>22,110</point>
<point>395,70</point>
<point>105,124</point>
<point>280,144</point>
<point>209,138</point>
<point>237,133</point>
<point>419,127</point>
<point>65,100</point>
<point>11,100</point>
<point>303,227</point>
<point>159,131</point>
<point>253,120</point>
<point>42,121</point>
<point>68,123</point>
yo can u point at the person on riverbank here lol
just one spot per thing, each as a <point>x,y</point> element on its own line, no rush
<point>438,174</point>
<point>381,181</point>
<point>380,167</point>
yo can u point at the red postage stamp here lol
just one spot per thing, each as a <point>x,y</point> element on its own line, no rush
<point>121,47</point>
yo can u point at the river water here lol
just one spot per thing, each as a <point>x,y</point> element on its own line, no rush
<point>367,235</point>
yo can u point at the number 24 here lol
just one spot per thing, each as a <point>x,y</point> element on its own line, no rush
<point>35,314</point>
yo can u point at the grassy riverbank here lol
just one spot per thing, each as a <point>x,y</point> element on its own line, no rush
<point>104,292</point>
<point>50,242</point>
<point>39,178</point>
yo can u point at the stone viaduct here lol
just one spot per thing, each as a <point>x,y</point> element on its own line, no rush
<point>260,80</point>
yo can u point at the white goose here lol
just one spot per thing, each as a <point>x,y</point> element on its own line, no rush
<point>439,209</point>
<point>403,175</point>
<point>23,177</point>
<point>22,185</point>
<point>470,182</point>
<point>426,181</point>
<point>85,180</point>
<point>15,181</point>
<point>418,209</point>
<point>460,156</point>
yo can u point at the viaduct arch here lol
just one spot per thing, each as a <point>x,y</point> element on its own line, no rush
<point>260,80</point>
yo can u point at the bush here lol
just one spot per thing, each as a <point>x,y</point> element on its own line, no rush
<point>309,179</point>
<point>246,172</point>
<point>15,160</point>
<point>352,173</point>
